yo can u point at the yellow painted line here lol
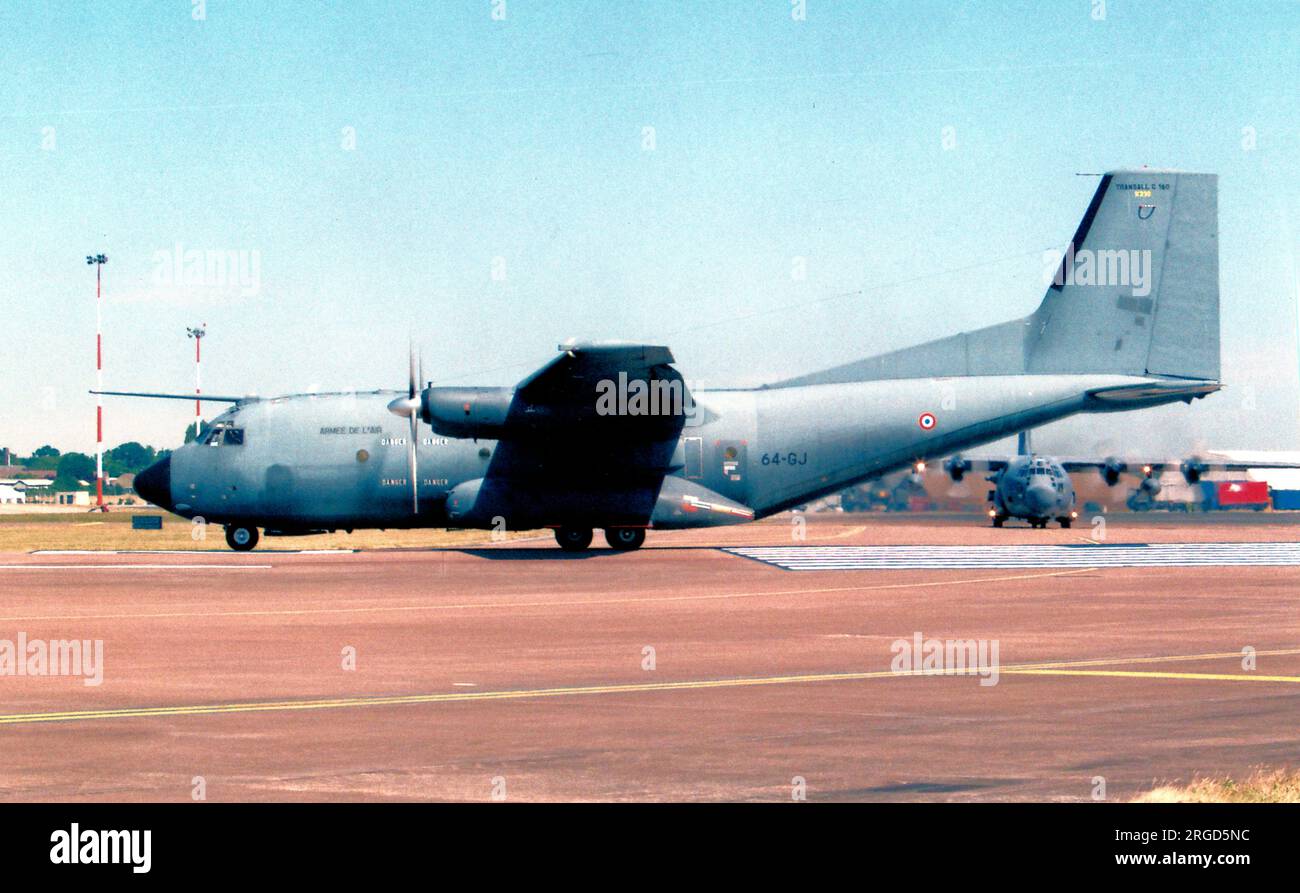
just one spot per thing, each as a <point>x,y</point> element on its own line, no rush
<point>1111,661</point>
<point>134,567</point>
<point>843,534</point>
<point>568,603</point>
<point>1150,674</point>
<point>383,701</point>
<point>627,688</point>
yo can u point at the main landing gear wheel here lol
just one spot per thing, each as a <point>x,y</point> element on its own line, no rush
<point>625,539</point>
<point>241,539</point>
<point>1065,523</point>
<point>998,520</point>
<point>573,539</point>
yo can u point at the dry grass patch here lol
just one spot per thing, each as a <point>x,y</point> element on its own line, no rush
<point>1265,786</point>
<point>95,531</point>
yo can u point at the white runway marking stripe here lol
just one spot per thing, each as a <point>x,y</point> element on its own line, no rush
<point>188,552</point>
<point>827,558</point>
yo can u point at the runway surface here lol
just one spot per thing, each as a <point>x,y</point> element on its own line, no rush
<point>678,672</point>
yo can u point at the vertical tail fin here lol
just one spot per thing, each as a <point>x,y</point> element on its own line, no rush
<point>1137,291</point>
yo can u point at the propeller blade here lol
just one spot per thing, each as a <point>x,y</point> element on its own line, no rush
<point>412,388</point>
<point>408,407</point>
<point>412,469</point>
<point>412,385</point>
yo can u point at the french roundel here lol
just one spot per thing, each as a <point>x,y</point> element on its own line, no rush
<point>926,421</point>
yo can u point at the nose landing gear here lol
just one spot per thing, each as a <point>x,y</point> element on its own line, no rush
<point>240,538</point>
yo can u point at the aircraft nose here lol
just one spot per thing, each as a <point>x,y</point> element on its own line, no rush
<point>1039,498</point>
<point>154,484</point>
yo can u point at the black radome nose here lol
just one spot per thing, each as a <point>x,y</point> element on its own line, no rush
<point>154,484</point>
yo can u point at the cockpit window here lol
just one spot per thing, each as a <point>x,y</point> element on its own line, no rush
<point>223,433</point>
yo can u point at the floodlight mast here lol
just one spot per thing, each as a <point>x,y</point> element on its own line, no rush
<point>98,261</point>
<point>197,333</point>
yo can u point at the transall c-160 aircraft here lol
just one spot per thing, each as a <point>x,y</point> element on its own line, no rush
<point>582,443</point>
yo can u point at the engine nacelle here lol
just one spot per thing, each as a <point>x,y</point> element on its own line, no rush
<point>957,467</point>
<point>478,413</point>
<point>1111,469</point>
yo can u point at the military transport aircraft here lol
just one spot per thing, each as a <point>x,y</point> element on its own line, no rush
<point>606,436</point>
<point>1038,488</point>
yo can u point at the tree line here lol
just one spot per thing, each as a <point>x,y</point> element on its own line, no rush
<point>70,469</point>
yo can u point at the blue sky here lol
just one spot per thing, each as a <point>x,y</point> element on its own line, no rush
<point>520,145</point>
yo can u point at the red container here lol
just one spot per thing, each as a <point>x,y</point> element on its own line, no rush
<point>1242,493</point>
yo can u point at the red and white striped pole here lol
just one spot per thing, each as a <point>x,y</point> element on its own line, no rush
<point>197,334</point>
<point>99,260</point>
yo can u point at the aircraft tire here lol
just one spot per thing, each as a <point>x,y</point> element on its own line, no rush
<point>625,539</point>
<point>1065,523</point>
<point>573,539</point>
<point>998,520</point>
<point>240,538</point>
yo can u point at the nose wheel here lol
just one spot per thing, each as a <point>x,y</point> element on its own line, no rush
<point>240,538</point>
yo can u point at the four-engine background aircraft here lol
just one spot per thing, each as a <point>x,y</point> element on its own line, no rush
<point>1038,488</point>
<point>546,453</point>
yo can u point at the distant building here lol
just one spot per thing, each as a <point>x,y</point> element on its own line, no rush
<point>72,497</point>
<point>15,490</point>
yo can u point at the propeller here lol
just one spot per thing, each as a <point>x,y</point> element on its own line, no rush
<point>1111,468</point>
<point>409,407</point>
<point>1193,468</point>
<point>957,466</point>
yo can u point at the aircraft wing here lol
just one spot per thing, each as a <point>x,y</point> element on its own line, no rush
<point>582,365</point>
<point>207,398</point>
<point>957,466</point>
<point>1194,464</point>
<point>584,448</point>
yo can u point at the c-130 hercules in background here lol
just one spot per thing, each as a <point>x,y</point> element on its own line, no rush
<point>548,453</point>
<point>1038,488</point>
